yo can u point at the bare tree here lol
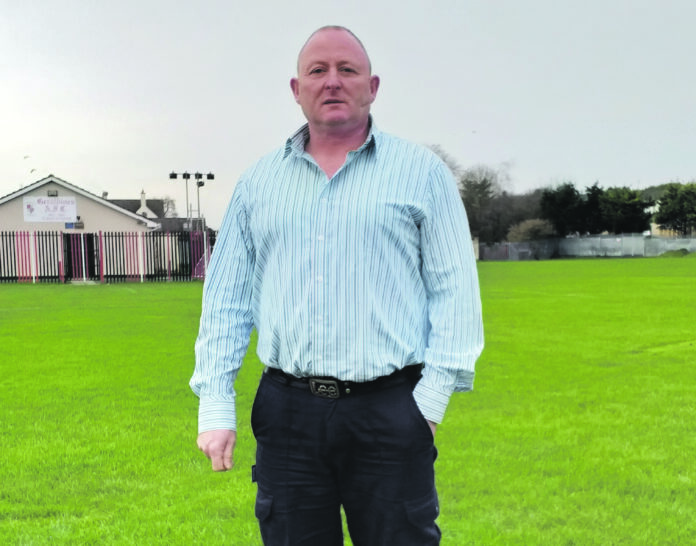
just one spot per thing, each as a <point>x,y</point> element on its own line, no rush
<point>169,207</point>
<point>452,163</point>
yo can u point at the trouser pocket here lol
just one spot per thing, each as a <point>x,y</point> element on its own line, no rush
<point>264,505</point>
<point>423,511</point>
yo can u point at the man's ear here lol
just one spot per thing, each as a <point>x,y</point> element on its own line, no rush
<point>295,86</point>
<point>374,86</point>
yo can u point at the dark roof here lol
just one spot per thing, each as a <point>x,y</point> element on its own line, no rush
<point>172,224</point>
<point>132,205</point>
<point>181,224</point>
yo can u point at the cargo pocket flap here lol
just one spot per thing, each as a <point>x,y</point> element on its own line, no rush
<point>264,503</point>
<point>424,510</point>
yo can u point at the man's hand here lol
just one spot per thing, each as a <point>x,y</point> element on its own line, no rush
<point>218,446</point>
<point>433,427</point>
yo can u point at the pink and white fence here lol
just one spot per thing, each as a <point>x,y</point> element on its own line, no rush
<point>104,257</point>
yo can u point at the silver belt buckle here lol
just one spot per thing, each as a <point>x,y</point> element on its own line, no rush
<point>325,388</point>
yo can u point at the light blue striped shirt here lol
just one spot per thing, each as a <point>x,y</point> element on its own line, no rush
<point>351,277</point>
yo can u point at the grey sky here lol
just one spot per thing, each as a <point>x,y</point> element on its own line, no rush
<point>112,96</point>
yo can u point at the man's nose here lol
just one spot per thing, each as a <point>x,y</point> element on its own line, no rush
<point>333,81</point>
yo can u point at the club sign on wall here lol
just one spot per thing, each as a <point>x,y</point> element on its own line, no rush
<point>50,209</point>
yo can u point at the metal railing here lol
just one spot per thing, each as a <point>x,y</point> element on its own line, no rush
<point>107,257</point>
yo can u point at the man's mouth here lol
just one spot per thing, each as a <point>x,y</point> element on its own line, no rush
<point>333,101</point>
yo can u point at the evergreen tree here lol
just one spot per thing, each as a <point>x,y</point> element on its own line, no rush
<point>678,208</point>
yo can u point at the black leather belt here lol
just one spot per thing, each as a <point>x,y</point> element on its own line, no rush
<point>330,387</point>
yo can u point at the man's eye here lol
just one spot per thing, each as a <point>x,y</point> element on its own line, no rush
<point>347,69</point>
<point>316,70</point>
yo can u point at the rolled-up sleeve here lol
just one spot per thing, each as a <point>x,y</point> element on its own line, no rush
<point>449,274</point>
<point>226,318</point>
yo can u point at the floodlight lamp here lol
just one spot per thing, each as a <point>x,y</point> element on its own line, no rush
<point>186,176</point>
<point>198,176</point>
<point>210,176</point>
<point>172,176</point>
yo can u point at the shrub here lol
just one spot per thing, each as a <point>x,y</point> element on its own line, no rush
<point>531,230</point>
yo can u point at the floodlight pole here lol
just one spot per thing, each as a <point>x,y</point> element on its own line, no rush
<point>199,183</point>
<point>186,177</point>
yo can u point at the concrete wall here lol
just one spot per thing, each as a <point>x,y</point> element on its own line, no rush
<point>589,247</point>
<point>94,214</point>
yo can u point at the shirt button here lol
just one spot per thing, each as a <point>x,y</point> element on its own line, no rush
<point>320,278</point>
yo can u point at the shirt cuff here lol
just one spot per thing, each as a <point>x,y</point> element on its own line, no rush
<point>431,403</point>
<point>216,415</point>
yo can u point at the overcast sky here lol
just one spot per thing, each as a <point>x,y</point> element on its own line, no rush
<point>112,96</point>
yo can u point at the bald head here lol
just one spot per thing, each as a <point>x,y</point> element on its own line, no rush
<point>334,28</point>
<point>334,84</point>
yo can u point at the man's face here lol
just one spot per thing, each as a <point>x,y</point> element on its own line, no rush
<point>333,85</point>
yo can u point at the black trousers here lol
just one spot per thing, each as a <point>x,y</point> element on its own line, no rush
<point>371,453</point>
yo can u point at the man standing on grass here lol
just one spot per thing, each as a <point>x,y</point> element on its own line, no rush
<point>349,251</point>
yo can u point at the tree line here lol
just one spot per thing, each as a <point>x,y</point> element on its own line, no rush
<point>497,215</point>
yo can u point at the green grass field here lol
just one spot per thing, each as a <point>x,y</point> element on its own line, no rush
<point>581,429</point>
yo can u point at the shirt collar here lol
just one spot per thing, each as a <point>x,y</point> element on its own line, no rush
<point>296,143</point>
